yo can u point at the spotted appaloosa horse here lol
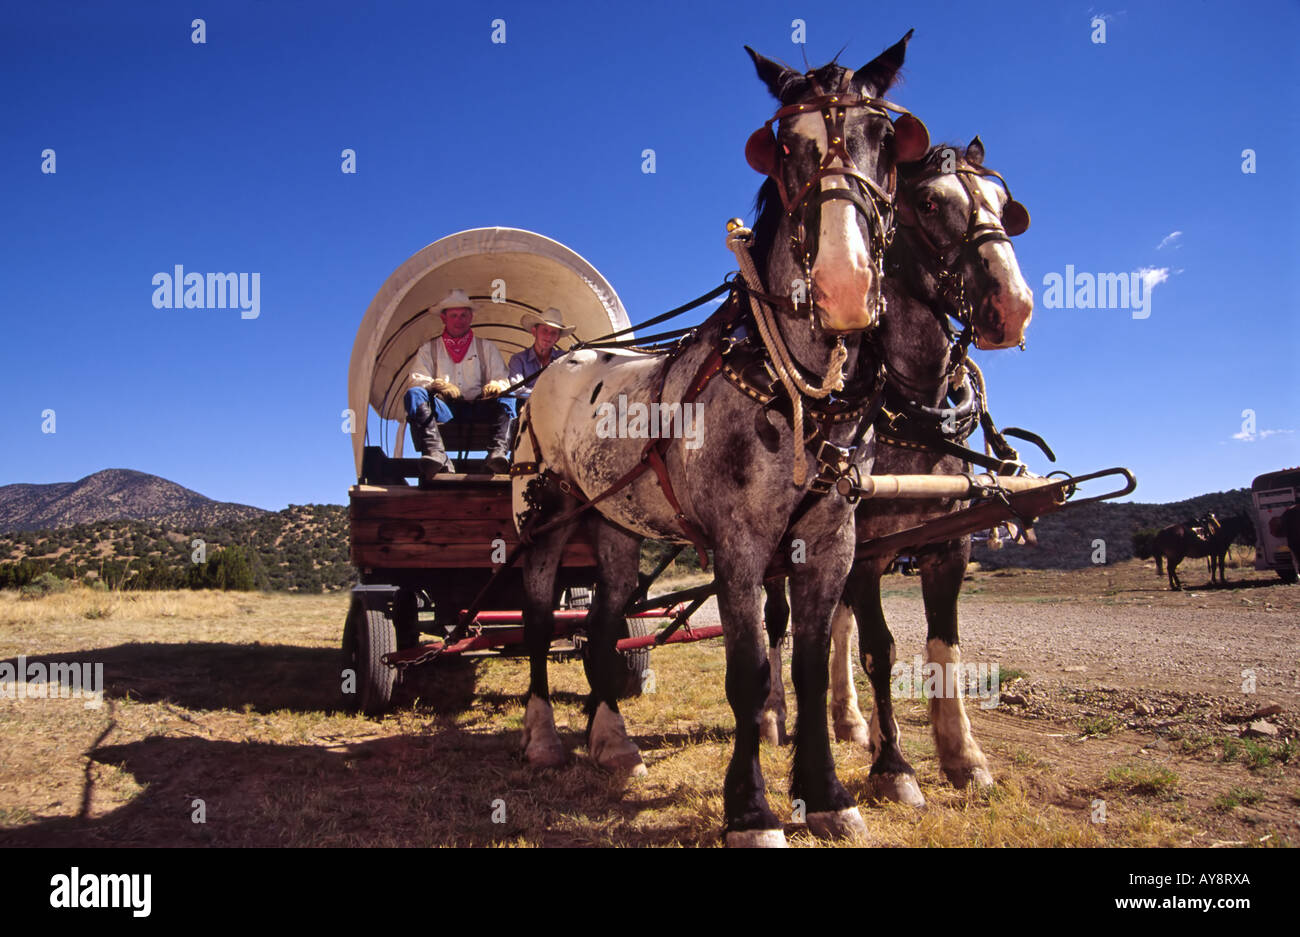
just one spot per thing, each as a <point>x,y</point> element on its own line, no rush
<point>1176,542</point>
<point>953,229</point>
<point>735,491</point>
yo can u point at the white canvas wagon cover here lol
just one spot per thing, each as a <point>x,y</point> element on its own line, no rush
<point>526,270</point>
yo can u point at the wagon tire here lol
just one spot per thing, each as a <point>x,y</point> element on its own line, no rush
<point>406,619</point>
<point>369,635</point>
<point>1288,576</point>
<point>636,663</point>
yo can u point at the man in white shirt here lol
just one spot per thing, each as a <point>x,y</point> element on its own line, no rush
<point>457,376</point>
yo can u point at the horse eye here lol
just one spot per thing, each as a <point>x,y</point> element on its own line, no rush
<point>928,207</point>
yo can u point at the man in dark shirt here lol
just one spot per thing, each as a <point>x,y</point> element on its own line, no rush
<point>547,330</point>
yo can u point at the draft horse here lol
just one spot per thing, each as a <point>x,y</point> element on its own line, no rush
<point>951,259</point>
<point>751,486</point>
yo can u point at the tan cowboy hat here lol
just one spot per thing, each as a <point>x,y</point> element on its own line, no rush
<point>553,317</point>
<point>456,299</point>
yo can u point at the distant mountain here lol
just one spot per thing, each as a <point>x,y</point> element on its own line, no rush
<point>1066,539</point>
<point>113,494</point>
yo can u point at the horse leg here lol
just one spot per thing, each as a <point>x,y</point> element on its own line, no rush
<point>891,778</point>
<point>1174,582</point>
<point>845,714</point>
<point>960,757</point>
<point>541,743</point>
<point>776,615</point>
<point>815,590</point>
<point>607,738</point>
<point>749,820</point>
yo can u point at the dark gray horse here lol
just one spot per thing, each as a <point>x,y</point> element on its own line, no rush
<point>824,218</point>
<point>1177,541</point>
<point>952,256</point>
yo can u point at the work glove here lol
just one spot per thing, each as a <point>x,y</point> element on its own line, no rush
<point>444,389</point>
<point>495,388</point>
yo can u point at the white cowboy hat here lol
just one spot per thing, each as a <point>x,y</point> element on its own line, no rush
<point>553,317</point>
<point>456,299</point>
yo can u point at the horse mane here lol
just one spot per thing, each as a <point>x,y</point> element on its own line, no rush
<point>767,218</point>
<point>932,160</point>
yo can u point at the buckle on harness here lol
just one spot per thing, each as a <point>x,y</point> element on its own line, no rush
<point>833,463</point>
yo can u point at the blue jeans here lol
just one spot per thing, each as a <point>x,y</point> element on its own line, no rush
<point>444,411</point>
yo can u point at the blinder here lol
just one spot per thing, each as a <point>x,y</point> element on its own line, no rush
<point>1015,218</point>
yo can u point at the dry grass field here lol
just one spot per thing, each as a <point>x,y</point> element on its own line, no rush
<point>225,705</point>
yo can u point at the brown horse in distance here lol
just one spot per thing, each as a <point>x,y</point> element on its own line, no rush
<point>1177,542</point>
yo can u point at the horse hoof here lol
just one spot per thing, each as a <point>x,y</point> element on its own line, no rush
<point>855,732</point>
<point>771,729</point>
<point>610,747</point>
<point>897,788</point>
<point>756,839</point>
<point>542,745</point>
<point>838,824</point>
<point>542,755</point>
<point>975,777</point>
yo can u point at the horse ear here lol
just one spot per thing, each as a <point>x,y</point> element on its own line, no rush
<point>911,139</point>
<point>975,152</point>
<point>876,77</point>
<point>772,74</point>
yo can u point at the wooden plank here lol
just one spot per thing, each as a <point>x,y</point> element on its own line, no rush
<point>410,530</point>
<point>448,555</point>
<point>434,509</point>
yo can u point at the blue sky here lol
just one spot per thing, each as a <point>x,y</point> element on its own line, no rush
<point>225,156</point>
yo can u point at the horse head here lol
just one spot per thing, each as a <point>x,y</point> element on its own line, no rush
<point>958,219</point>
<point>830,153</point>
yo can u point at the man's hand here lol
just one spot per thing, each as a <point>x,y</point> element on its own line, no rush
<point>445,389</point>
<point>495,388</point>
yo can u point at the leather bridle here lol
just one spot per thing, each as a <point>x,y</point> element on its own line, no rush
<point>874,203</point>
<point>949,275</point>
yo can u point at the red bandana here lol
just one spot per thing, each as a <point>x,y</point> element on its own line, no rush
<point>458,347</point>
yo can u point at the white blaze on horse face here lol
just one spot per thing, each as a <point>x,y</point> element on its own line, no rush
<point>843,272</point>
<point>1004,315</point>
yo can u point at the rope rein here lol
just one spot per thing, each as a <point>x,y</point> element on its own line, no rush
<point>783,363</point>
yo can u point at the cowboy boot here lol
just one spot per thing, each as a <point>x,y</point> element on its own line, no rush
<point>498,460</point>
<point>427,439</point>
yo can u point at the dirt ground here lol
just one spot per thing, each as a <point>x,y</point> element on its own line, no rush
<point>220,726</point>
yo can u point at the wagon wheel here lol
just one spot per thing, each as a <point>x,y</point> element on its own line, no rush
<point>636,663</point>
<point>368,635</point>
<point>633,665</point>
<point>577,597</point>
<point>406,619</point>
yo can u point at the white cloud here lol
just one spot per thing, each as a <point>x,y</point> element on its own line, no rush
<point>1244,436</point>
<point>1171,240</point>
<point>1153,277</point>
